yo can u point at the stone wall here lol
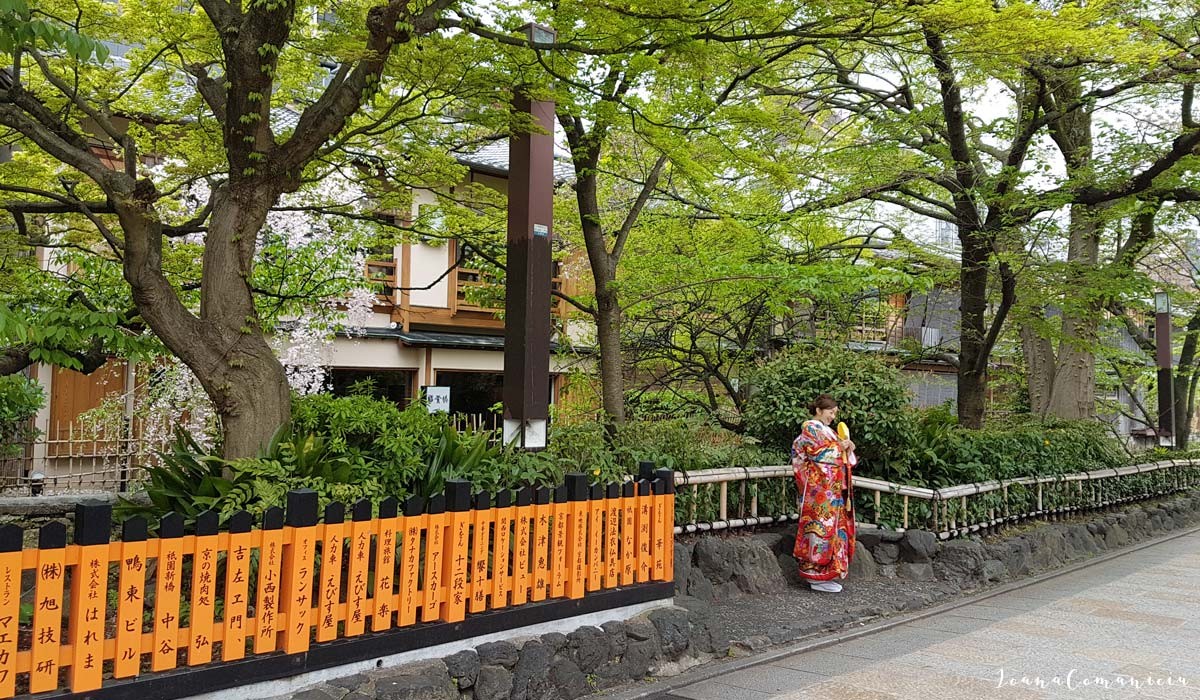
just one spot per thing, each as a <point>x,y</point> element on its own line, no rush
<point>712,567</point>
<point>662,642</point>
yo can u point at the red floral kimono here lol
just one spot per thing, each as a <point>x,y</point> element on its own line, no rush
<point>825,536</point>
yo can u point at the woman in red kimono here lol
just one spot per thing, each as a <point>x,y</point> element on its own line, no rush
<point>821,463</point>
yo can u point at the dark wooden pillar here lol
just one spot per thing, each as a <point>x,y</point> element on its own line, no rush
<point>528,272</point>
<point>1164,356</point>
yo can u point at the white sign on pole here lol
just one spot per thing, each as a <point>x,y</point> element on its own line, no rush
<point>437,398</point>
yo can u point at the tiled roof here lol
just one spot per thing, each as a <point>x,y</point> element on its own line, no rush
<point>493,159</point>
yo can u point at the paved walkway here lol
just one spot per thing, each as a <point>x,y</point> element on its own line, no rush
<point>1088,634</point>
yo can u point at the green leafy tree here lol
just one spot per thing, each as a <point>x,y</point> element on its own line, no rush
<point>946,115</point>
<point>195,167</point>
<point>872,396</point>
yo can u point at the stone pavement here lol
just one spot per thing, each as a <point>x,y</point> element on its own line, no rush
<point>1128,628</point>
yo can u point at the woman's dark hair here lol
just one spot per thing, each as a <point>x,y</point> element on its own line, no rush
<point>821,403</point>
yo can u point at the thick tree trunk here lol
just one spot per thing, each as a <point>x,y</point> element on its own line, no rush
<point>972,368</point>
<point>1039,367</point>
<point>1073,396</point>
<point>224,346</point>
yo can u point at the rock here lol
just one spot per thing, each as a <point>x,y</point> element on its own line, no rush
<point>493,683</point>
<point>1079,541</point>
<point>463,667</point>
<point>672,627</point>
<point>1048,547</point>
<point>715,557</point>
<point>993,570</point>
<point>869,538</point>
<point>755,568</point>
<point>916,571</point>
<point>531,675</point>
<point>1014,554</point>
<point>705,638</point>
<point>787,541</point>
<point>782,634</point>
<point>639,629</point>
<point>617,641</point>
<point>569,680</point>
<point>774,541</point>
<point>313,694</point>
<point>683,566</point>
<point>960,560</point>
<point>790,569</point>
<point>886,553</point>
<point>887,571</point>
<point>420,681</point>
<point>554,640</point>
<point>637,659</point>
<point>503,654</point>
<point>917,546</point>
<point>589,647</point>
<point>863,566</point>
<point>698,586</point>
<point>1116,536</point>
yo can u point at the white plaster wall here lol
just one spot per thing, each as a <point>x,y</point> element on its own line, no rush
<point>382,353</point>
<point>427,263</point>
<point>490,361</point>
<point>468,360</point>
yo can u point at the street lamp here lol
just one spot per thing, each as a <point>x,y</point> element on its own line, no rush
<point>1163,357</point>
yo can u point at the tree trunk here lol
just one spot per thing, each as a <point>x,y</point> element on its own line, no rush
<point>1184,383</point>
<point>608,333</point>
<point>224,346</point>
<point>972,368</point>
<point>1073,393</point>
<point>1039,367</point>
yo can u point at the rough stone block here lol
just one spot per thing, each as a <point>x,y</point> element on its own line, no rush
<point>863,566</point>
<point>503,654</point>
<point>588,648</point>
<point>463,667</point>
<point>493,683</point>
<point>672,627</point>
<point>568,679</point>
<point>886,553</point>
<point>917,546</point>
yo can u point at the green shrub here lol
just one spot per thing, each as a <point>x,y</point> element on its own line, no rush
<point>20,400</point>
<point>872,396</point>
<point>945,454</point>
<point>190,481</point>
